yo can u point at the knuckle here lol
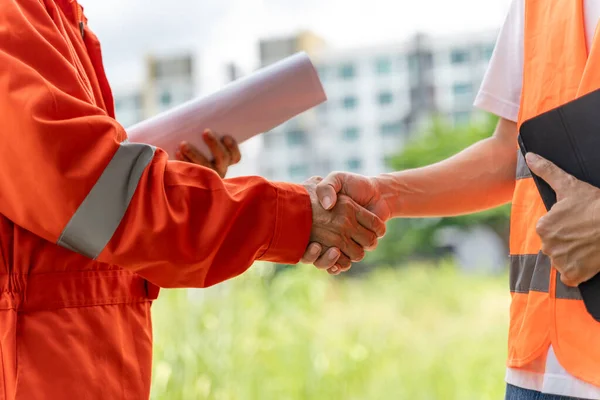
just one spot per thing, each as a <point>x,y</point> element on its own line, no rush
<point>541,227</point>
<point>370,239</point>
<point>568,281</point>
<point>360,254</point>
<point>570,274</point>
<point>315,179</point>
<point>546,249</point>
<point>345,263</point>
<point>571,180</point>
<point>374,241</point>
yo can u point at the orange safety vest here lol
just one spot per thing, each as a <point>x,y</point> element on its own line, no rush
<point>544,311</point>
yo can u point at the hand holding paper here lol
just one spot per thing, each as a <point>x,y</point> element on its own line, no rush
<point>244,108</point>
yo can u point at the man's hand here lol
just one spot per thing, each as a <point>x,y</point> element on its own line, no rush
<point>346,226</point>
<point>365,192</point>
<point>225,153</point>
<point>570,232</point>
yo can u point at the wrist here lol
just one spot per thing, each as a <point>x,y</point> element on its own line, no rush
<point>391,189</point>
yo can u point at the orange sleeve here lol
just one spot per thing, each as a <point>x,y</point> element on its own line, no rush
<point>70,176</point>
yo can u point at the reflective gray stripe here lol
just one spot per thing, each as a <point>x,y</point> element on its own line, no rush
<point>99,215</point>
<point>532,272</point>
<point>566,292</point>
<point>522,168</point>
<point>529,272</point>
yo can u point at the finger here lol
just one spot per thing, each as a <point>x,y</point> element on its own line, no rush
<point>568,282</point>
<point>344,262</point>
<point>328,189</point>
<point>193,154</point>
<point>218,150</point>
<point>312,253</point>
<point>364,237</point>
<point>181,157</point>
<point>371,222</point>
<point>233,148</point>
<point>328,259</point>
<point>353,250</point>
<point>558,179</point>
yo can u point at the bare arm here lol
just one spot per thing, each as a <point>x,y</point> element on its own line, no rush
<point>480,177</point>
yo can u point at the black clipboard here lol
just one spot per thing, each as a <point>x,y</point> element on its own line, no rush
<point>569,136</point>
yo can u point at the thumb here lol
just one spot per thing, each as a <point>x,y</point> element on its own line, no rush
<point>328,189</point>
<point>549,172</point>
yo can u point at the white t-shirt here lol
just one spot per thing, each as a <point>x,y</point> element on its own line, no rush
<point>500,94</point>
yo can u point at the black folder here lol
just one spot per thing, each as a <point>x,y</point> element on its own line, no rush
<point>569,136</point>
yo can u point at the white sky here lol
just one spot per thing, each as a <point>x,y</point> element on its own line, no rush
<point>227,30</point>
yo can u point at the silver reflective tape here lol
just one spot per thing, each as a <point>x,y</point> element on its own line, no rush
<point>522,168</point>
<point>566,292</point>
<point>529,272</point>
<point>100,214</point>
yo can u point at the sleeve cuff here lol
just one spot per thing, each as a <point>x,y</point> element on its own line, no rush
<point>492,104</point>
<point>293,223</point>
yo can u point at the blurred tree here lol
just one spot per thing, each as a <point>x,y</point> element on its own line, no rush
<point>410,238</point>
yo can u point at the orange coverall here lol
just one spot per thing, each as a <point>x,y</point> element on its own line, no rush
<point>91,225</point>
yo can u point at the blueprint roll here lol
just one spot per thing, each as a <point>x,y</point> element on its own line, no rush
<point>244,108</point>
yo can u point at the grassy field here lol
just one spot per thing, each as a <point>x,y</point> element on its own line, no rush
<point>417,333</point>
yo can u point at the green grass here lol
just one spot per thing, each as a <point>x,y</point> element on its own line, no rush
<point>417,333</point>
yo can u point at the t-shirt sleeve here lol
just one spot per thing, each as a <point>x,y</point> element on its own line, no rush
<point>500,91</point>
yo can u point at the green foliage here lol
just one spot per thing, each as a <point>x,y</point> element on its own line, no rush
<point>409,237</point>
<point>415,333</point>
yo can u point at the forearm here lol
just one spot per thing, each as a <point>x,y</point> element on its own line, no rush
<point>478,178</point>
<point>185,227</point>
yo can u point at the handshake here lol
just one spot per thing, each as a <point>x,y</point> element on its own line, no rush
<point>349,214</point>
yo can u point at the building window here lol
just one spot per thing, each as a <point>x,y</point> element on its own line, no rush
<point>350,102</point>
<point>462,90</point>
<point>322,71</point>
<point>383,66</point>
<point>298,171</point>
<point>347,71</point>
<point>459,56</point>
<point>351,134</point>
<point>413,64</point>
<point>354,164</point>
<point>385,98</point>
<point>165,99</point>
<point>296,138</point>
<point>391,128</point>
<point>462,117</point>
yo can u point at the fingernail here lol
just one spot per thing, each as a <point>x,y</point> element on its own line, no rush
<point>314,249</point>
<point>334,269</point>
<point>531,158</point>
<point>327,202</point>
<point>333,254</point>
